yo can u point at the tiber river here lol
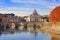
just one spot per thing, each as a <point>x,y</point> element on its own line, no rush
<point>24,35</point>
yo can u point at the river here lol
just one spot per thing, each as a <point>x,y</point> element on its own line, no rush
<point>25,35</point>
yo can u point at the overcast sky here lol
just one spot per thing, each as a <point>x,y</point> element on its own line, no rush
<point>26,7</point>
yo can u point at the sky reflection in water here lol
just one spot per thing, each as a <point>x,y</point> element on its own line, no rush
<point>25,36</point>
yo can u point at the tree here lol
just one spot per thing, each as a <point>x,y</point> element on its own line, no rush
<point>55,15</point>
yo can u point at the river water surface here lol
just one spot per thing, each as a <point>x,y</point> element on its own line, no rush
<point>25,35</point>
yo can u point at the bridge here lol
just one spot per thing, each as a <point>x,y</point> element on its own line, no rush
<point>45,27</point>
<point>21,25</point>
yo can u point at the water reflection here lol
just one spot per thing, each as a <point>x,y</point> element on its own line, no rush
<point>23,35</point>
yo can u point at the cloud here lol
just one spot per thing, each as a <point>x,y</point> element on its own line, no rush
<point>54,0</point>
<point>22,11</point>
<point>2,3</point>
<point>16,10</point>
<point>50,4</point>
<point>42,6</point>
<point>19,1</point>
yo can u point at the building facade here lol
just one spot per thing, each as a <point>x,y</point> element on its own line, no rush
<point>35,17</point>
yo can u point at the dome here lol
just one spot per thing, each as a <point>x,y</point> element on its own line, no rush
<point>35,13</point>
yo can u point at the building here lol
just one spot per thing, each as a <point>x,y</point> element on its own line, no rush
<point>45,18</point>
<point>35,17</point>
<point>10,17</point>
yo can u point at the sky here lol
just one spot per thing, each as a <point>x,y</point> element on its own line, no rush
<point>26,7</point>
